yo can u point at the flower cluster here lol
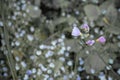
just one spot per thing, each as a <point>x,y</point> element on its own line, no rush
<point>77,32</point>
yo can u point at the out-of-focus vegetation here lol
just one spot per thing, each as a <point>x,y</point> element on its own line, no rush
<point>36,41</point>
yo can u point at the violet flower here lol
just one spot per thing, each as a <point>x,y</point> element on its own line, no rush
<point>78,78</point>
<point>85,27</point>
<point>90,42</point>
<point>65,77</point>
<point>28,72</point>
<point>76,32</point>
<point>101,39</point>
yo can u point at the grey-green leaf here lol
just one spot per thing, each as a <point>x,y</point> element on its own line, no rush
<point>92,11</point>
<point>34,11</point>
<point>58,65</point>
<point>93,61</point>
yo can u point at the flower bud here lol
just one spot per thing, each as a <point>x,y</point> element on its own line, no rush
<point>101,39</point>
<point>90,42</point>
<point>85,27</point>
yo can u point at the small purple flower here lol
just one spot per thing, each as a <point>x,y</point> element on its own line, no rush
<point>65,77</point>
<point>90,42</point>
<point>76,32</point>
<point>85,27</point>
<point>28,72</point>
<point>78,78</point>
<point>101,39</point>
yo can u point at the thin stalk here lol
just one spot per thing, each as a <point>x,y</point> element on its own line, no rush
<point>9,56</point>
<point>5,11</point>
<point>76,61</point>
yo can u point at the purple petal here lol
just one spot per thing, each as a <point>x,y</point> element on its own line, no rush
<point>90,42</point>
<point>101,39</point>
<point>76,32</point>
<point>85,27</point>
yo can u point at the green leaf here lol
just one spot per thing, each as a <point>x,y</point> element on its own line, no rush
<point>62,3</point>
<point>37,2</point>
<point>111,14</point>
<point>105,5</point>
<point>70,20</point>
<point>92,11</point>
<point>59,20</point>
<point>60,78</point>
<point>58,65</point>
<point>93,61</point>
<point>73,44</point>
<point>34,11</point>
<point>113,29</point>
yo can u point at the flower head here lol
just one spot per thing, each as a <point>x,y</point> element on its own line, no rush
<point>76,32</point>
<point>101,39</point>
<point>90,42</point>
<point>28,72</point>
<point>65,77</point>
<point>85,27</point>
<point>78,78</point>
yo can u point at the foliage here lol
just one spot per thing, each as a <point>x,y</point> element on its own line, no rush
<point>40,43</point>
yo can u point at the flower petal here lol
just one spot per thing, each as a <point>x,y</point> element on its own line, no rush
<point>76,32</point>
<point>90,42</point>
<point>101,39</point>
<point>85,27</point>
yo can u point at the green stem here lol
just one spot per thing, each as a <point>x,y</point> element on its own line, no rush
<point>5,13</point>
<point>9,56</point>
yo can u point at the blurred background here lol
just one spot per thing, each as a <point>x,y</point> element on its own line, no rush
<point>36,41</point>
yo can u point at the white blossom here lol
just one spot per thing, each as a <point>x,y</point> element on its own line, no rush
<point>69,63</point>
